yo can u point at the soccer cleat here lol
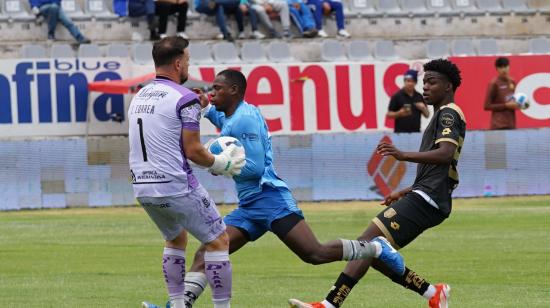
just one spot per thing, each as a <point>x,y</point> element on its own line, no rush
<point>148,305</point>
<point>441,296</point>
<point>296,303</point>
<point>390,256</point>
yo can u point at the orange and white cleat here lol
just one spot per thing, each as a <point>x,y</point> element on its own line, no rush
<point>441,296</point>
<point>296,303</point>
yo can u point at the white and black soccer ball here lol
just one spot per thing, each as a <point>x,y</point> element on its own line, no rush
<point>521,99</point>
<point>219,144</point>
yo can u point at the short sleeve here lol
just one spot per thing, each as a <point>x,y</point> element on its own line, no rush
<point>189,113</point>
<point>449,126</point>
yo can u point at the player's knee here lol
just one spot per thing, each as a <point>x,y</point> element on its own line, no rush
<point>312,257</point>
<point>219,244</point>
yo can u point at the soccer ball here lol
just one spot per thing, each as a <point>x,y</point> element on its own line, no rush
<point>521,99</point>
<point>216,146</point>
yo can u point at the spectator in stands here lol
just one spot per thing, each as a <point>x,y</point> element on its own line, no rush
<point>246,10</point>
<point>51,10</point>
<point>165,8</point>
<point>138,8</point>
<point>304,18</point>
<point>219,8</point>
<point>407,105</point>
<point>266,8</point>
<point>327,7</point>
<point>499,92</point>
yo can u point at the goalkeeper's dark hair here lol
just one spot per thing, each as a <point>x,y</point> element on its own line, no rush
<point>446,68</point>
<point>234,77</point>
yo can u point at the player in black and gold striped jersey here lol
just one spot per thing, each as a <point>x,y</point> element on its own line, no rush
<point>427,202</point>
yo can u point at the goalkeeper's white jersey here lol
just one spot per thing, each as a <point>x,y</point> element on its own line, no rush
<point>157,114</point>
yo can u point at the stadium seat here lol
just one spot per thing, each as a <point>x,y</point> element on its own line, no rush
<point>73,10</point>
<point>540,45</point>
<point>465,7</point>
<point>200,53</point>
<point>253,52</point>
<point>517,7</point>
<point>141,53</point>
<point>117,50</point>
<point>62,51</point>
<point>17,10</point>
<point>415,7</point>
<point>279,51</point>
<point>541,6</point>
<point>89,51</point>
<point>490,7</point>
<point>362,7</point>
<point>333,51</point>
<point>390,8</point>
<point>225,53</point>
<point>437,49</point>
<point>99,9</point>
<point>32,51</point>
<point>359,51</point>
<point>463,47</point>
<point>488,47</point>
<point>385,50</point>
<point>440,7</point>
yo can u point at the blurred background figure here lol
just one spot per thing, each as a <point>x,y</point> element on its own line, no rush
<point>138,8</point>
<point>406,105</point>
<point>219,9</point>
<point>165,8</point>
<point>499,97</point>
<point>267,8</point>
<point>246,10</point>
<point>326,8</point>
<point>304,18</point>
<point>53,13</point>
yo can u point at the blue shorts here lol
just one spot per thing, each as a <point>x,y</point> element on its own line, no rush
<point>256,214</point>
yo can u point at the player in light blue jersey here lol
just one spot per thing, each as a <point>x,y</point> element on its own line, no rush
<point>265,202</point>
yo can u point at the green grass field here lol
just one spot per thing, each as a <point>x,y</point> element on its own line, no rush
<point>494,252</point>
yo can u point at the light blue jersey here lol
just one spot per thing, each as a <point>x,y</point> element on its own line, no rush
<point>248,126</point>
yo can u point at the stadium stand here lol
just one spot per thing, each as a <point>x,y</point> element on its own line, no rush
<point>437,49</point>
<point>385,50</point>
<point>333,51</point>
<point>390,8</point>
<point>253,52</point>
<point>359,51</point>
<point>415,8</point>
<point>225,53</point>
<point>490,7</point>
<point>62,51</point>
<point>73,9</point>
<point>440,7</point>
<point>540,45</point>
<point>34,51</point>
<point>141,53</point>
<point>361,8</point>
<point>201,53</point>
<point>463,47</point>
<point>488,47</point>
<point>117,50</point>
<point>17,10</point>
<point>279,51</point>
<point>517,7</point>
<point>99,9</point>
<point>89,51</point>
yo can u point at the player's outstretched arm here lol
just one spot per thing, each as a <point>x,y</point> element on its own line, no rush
<point>441,156</point>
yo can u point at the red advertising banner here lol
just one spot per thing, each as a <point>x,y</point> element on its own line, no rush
<point>532,75</point>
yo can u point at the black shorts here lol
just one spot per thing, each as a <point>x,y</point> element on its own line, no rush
<point>407,218</point>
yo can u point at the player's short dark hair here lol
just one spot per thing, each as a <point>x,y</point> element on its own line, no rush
<point>168,49</point>
<point>502,62</point>
<point>446,68</point>
<point>234,77</point>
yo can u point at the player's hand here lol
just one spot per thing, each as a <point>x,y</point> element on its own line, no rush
<point>391,198</point>
<point>388,149</point>
<point>512,105</point>
<point>327,10</point>
<point>203,98</point>
<point>229,162</point>
<point>268,8</point>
